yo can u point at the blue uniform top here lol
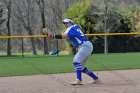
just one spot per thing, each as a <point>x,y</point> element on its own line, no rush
<point>75,35</point>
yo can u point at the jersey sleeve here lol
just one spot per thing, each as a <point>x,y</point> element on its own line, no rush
<point>69,32</point>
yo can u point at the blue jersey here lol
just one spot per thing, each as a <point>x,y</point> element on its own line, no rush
<point>75,35</point>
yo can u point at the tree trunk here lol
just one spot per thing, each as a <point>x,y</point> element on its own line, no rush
<point>105,28</point>
<point>41,5</point>
<point>8,28</point>
<point>28,27</point>
<point>45,40</point>
<point>32,40</point>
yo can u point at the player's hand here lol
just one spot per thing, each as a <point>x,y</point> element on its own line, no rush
<point>48,33</point>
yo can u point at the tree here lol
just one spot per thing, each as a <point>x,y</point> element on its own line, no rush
<point>98,16</point>
<point>3,15</point>
<point>114,16</point>
<point>8,4</point>
<point>26,16</point>
<point>108,20</point>
<point>41,5</point>
<point>26,20</point>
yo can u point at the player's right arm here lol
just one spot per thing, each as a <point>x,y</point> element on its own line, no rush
<point>64,36</point>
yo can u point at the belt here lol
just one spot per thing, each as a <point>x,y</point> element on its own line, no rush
<point>82,42</point>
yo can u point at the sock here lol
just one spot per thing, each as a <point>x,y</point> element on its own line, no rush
<point>78,69</point>
<point>79,74</point>
<point>89,73</point>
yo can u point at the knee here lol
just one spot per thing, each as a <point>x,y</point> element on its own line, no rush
<point>77,66</point>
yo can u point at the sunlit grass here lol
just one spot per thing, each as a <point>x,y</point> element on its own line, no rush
<point>17,65</point>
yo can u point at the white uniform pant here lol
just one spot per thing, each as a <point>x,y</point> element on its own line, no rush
<point>84,51</point>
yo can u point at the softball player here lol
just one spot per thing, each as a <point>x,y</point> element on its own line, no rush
<point>85,48</point>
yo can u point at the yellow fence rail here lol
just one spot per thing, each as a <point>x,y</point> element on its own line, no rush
<point>44,36</point>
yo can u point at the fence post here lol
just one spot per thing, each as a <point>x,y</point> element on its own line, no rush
<point>22,46</point>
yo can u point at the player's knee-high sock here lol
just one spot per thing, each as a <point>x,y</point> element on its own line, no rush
<point>78,69</point>
<point>89,73</point>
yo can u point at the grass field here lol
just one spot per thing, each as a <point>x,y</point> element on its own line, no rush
<point>33,65</point>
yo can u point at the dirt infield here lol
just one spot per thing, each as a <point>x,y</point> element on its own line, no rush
<point>122,81</point>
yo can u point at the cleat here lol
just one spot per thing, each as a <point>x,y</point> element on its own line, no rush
<point>97,81</point>
<point>76,82</point>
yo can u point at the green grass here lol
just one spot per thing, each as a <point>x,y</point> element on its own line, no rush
<point>33,65</point>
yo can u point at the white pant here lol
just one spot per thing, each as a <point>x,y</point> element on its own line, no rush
<point>83,53</point>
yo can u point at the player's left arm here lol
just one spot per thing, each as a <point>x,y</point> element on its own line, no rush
<point>60,36</point>
<point>64,36</point>
<point>51,35</point>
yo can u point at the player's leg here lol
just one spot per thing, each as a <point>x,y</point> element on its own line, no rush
<point>81,55</point>
<point>87,71</point>
<point>77,65</point>
<point>90,73</point>
<point>78,70</point>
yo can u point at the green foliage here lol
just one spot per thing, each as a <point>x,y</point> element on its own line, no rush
<point>121,17</point>
<point>131,17</point>
<point>95,13</point>
<point>78,12</point>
